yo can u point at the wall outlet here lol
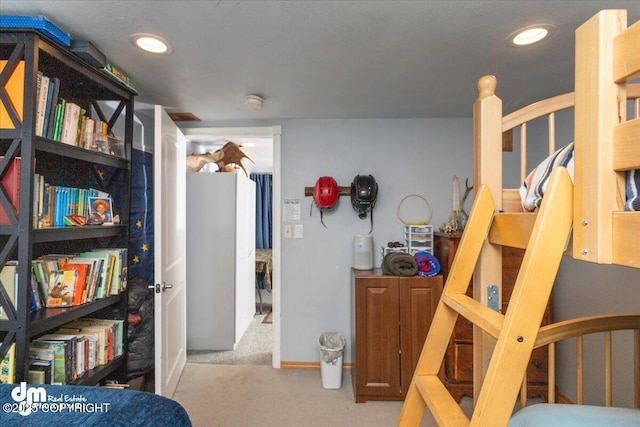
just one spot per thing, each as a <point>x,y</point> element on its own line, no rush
<point>287,231</point>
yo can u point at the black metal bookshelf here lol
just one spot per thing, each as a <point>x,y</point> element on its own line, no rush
<point>64,164</point>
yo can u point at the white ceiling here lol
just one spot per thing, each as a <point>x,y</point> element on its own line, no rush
<point>329,59</point>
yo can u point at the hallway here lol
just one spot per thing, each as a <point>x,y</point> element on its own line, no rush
<point>254,349</point>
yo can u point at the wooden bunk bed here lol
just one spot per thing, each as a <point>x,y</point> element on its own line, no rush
<point>584,219</point>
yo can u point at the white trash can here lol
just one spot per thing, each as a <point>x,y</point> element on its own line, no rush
<point>332,352</point>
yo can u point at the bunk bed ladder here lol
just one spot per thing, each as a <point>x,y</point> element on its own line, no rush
<point>516,331</point>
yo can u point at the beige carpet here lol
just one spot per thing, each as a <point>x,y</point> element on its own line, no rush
<point>246,396</point>
<point>254,348</point>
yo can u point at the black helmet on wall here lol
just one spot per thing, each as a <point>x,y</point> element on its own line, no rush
<point>364,191</point>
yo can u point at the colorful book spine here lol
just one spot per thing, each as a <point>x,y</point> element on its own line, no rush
<point>57,127</point>
<point>8,366</point>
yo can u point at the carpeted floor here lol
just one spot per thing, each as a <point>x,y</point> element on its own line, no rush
<point>260,396</point>
<point>255,348</point>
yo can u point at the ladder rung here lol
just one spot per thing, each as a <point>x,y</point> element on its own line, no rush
<point>512,229</point>
<point>444,408</point>
<point>480,315</point>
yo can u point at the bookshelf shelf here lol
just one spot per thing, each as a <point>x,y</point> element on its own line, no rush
<point>78,153</point>
<point>28,118</point>
<point>59,234</point>
<point>95,375</point>
<point>55,234</point>
<point>48,318</point>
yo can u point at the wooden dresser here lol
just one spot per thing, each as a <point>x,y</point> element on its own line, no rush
<point>458,368</point>
<point>390,318</point>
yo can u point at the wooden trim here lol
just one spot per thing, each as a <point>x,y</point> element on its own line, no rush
<point>344,191</point>
<point>585,326</point>
<point>487,158</point>
<point>596,115</point>
<point>626,239</point>
<point>563,398</point>
<point>507,140</point>
<point>511,201</point>
<point>512,229</point>
<point>626,62</point>
<point>184,117</point>
<point>310,365</point>
<point>633,90</point>
<point>527,304</point>
<point>444,408</point>
<point>480,315</point>
<point>538,109</point>
<point>626,149</point>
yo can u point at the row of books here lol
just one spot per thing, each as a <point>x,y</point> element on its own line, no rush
<point>117,74</point>
<point>52,203</point>
<point>65,121</point>
<point>7,366</point>
<point>69,280</point>
<point>69,353</point>
<point>60,120</point>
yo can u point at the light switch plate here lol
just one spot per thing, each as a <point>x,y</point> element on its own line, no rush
<point>287,231</point>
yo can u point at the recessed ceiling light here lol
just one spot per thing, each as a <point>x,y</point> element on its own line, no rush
<point>530,35</point>
<point>150,43</point>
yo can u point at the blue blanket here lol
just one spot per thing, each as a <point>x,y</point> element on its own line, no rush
<point>60,406</point>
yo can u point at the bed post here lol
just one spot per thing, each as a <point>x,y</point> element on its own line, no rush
<point>597,112</point>
<point>487,154</point>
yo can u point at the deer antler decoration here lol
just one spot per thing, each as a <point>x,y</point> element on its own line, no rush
<point>230,153</point>
<point>466,193</point>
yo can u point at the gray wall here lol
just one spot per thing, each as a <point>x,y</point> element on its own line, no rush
<point>584,289</point>
<point>405,156</point>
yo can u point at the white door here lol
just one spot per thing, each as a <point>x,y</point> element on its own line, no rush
<point>169,160</point>
<point>245,254</point>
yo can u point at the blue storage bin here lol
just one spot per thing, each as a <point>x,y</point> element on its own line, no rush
<point>39,23</point>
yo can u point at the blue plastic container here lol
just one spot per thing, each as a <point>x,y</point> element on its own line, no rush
<point>39,23</point>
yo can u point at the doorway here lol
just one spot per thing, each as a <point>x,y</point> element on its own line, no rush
<point>262,144</point>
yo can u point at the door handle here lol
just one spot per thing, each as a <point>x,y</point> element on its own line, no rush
<point>160,288</point>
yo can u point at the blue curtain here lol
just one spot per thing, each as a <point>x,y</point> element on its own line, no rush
<point>264,221</point>
<point>141,220</point>
<point>140,247</point>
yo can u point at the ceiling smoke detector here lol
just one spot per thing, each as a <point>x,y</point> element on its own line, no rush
<point>253,102</point>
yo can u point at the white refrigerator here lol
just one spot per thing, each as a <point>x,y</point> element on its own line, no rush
<point>221,299</point>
